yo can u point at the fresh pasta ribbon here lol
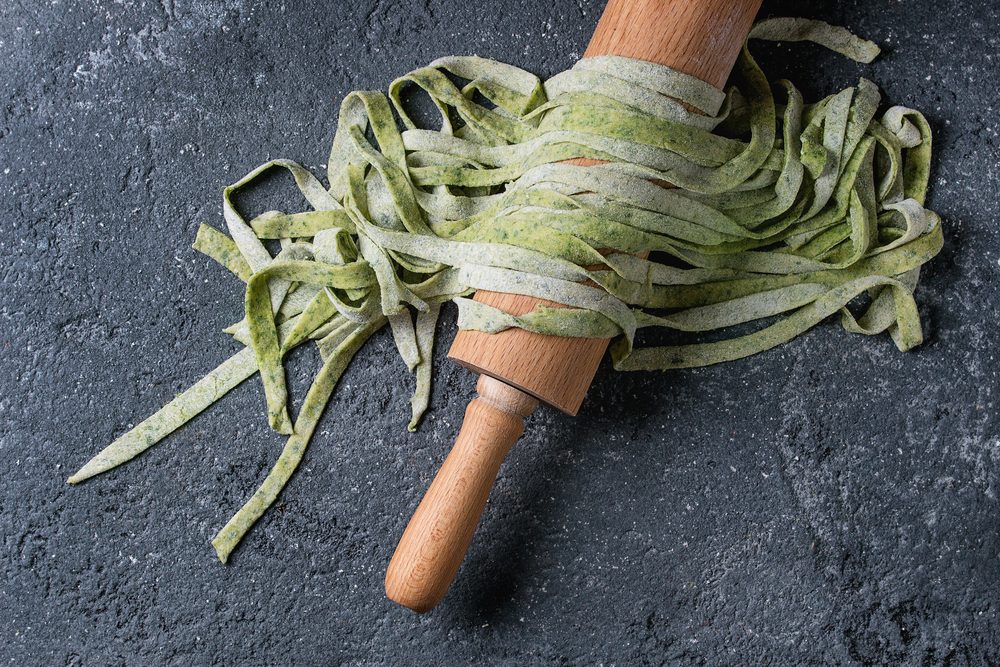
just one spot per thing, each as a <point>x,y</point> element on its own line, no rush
<point>782,213</point>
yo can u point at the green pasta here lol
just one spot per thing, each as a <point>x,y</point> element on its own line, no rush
<point>782,214</point>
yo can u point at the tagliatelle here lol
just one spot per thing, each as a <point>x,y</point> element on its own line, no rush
<point>781,211</point>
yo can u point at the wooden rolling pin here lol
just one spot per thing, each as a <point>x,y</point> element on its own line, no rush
<point>519,368</point>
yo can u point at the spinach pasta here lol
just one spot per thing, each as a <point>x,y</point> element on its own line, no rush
<point>780,212</point>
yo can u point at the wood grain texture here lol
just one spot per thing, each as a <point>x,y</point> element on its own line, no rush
<point>698,37</point>
<point>435,541</point>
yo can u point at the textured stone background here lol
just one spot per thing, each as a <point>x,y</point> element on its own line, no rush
<point>831,501</point>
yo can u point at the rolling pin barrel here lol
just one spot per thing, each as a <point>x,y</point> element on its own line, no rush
<point>519,368</point>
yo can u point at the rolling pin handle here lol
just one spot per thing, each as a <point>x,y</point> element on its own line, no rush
<point>435,541</point>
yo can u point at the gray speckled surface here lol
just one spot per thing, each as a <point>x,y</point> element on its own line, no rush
<point>831,501</point>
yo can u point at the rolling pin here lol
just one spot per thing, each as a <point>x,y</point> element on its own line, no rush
<point>518,368</point>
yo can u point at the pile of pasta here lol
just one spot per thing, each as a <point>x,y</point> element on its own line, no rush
<point>781,213</point>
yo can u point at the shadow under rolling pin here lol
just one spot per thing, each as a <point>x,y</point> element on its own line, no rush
<point>519,368</point>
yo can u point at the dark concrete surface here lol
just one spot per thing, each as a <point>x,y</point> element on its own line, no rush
<point>833,501</point>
